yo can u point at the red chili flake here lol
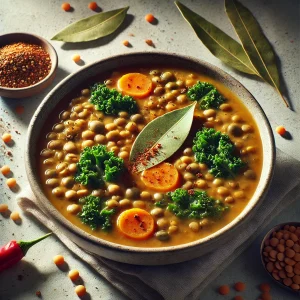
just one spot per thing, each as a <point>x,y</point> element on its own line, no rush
<point>137,217</point>
<point>191,192</point>
<point>142,225</point>
<point>23,64</point>
<point>38,293</point>
<point>199,175</point>
<point>144,157</point>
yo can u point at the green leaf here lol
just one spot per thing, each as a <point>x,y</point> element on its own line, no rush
<point>217,41</point>
<point>165,134</point>
<point>92,28</point>
<point>256,45</point>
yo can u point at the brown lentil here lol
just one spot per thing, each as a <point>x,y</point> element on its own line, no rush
<point>23,65</point>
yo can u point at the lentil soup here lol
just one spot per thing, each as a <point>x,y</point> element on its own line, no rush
<point>77,124</point>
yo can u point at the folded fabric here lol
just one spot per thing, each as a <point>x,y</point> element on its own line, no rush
<point>184,280</point>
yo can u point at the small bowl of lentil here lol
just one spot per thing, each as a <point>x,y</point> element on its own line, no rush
<point>28,64</point>
<point>280,255</point>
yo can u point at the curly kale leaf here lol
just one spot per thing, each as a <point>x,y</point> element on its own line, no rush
<point>206,94</point>
<point>195,204</point>
<point>92,214</point>
<point>97,165</point>
<point>216,150</point>
<point>110,101</point>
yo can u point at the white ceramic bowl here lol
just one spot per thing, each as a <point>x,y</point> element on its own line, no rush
<point>136,255</point>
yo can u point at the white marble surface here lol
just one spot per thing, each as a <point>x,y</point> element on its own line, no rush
<point>280,21</point>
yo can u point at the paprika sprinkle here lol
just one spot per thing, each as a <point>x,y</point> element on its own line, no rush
<point>23,65</point>
<point>14,251</point>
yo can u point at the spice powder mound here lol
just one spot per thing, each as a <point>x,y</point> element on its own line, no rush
<point>23,65</point>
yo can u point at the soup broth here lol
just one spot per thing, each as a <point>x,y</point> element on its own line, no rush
<point>77,124</point>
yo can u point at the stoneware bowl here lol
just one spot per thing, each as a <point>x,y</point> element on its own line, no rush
<point>267,237</point>
<point>41,85</point>
<point>136,255</point>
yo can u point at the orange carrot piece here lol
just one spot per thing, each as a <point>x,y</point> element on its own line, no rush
<point>163,177</point>
<point>135,84</point>
<point>136,223</point>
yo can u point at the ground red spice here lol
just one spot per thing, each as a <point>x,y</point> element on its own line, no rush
<point>144,157</point>
<point>23,65</point>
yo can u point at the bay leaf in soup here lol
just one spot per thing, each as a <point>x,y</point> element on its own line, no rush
<point>217,41</point>
<point>92,28</point>
<point>258,48</point>
<point>161,138</point>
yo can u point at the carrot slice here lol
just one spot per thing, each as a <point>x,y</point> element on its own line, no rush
<point>135,84</point>
<point>163,177</point>
<point>136,223</point>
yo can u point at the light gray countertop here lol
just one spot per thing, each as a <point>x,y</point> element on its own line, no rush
<point>280,22</point>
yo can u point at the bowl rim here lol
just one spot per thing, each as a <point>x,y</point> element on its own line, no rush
<point>52,54</point>
<point>234,224</point>
<point>267,236</point>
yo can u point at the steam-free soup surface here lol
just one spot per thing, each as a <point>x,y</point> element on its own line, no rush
<point>76,124</point>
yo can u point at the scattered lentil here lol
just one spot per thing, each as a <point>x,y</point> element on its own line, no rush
<point>93,5</point>
<point>66,6</point>
<point>239,286</point>
<point>3,208</point>
<point>11,182</point>
<point>5,170</point>
<point>224,290</point>
<point>6,137</point>
<point>19,109</point>
<point>73,275</point>
<point>58,260</point>
<point>76,58</point>
<point>280,130</point>
<point>149,18</point>
<point>15,216</point>
<point>80,290</point>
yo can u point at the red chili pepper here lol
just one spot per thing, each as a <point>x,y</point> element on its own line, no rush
<point>14,251</point>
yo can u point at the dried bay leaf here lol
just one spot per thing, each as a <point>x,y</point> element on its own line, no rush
<point>218,42</point>
<point>256,45</point>
<point>161,138</point>
<point>92,28</point>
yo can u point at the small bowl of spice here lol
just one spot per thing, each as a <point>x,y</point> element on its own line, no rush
<point>280,254</point>
<point>28,64</point>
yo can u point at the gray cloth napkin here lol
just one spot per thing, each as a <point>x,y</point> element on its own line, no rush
<point>183,280</point>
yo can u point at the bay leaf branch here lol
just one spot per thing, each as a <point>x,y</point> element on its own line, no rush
<point>218,42</point>
<point>92,28</point>
<point>257,47</point>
